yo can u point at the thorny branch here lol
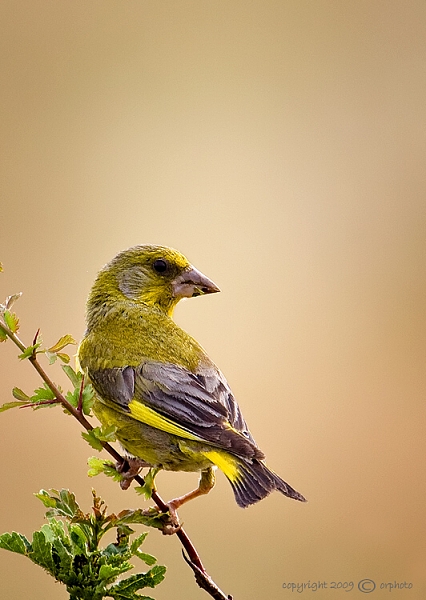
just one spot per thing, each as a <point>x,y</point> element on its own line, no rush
<point>202,578</point>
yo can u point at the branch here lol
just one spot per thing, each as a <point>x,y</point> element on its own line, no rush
<point>202,578</point>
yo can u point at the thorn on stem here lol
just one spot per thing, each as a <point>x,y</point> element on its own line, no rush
<point>36,336</point>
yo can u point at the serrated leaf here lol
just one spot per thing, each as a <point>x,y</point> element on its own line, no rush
<point>28,352</point>
<point>108,572</point>
<point>62,504</point>
<point>96,466</point>
<point>9,405</point>
<point>92,439</point>
<point>15,542</point>
<point>11,320</point>
<point>42,393</point>
<point>3,335</point>
<point>87,399</point>
<point>41,552</point>
<point>48,500</point>
<point>65,340</point>
<point>48,532</point>
<point>56,531</point>
<point>66,504</point>
<point>73,397</point>
<point>73,376</point>
<point>147,488</point>
<point>20,395</point>
<point>150,517</point>
<point>98,435</point>
<point>128,587</point>
<point>137,542</point>
<point>107,467</point>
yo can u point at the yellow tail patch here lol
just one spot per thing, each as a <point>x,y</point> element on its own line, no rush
<point>226,463</point>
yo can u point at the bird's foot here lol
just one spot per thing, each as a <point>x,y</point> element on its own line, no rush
<point>129,469</point>
<point>171,523</point>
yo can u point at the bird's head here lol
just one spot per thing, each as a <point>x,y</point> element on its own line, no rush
<point>153,275</point>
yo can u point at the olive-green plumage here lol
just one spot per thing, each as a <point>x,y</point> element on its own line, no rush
<point>171,405</point>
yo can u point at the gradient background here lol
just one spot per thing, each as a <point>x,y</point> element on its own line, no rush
<point>281,146</point>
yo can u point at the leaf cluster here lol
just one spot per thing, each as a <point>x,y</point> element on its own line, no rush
<point>67,547</point>
<point>81,397</point>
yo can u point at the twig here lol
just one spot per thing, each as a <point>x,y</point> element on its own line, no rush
<point>202,578</point>
<point>205,581</point>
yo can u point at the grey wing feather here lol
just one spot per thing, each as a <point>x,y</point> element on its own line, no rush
<point>202,403</point>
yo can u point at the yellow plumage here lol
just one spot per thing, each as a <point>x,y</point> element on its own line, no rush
<point>172,407</point>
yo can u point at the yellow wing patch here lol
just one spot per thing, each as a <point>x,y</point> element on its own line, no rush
<point>152,418</point>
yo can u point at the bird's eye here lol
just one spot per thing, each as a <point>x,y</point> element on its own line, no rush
<point>159,265</point>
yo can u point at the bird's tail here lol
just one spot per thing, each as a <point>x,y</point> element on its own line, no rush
<point>255,481</point>
<point>250,479</point>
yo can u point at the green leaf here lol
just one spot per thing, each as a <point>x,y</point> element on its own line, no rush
<point>15,542</point>
<point>42,393</point>
<point>99,465</point>
<point>96,466</point>
<point>147,558</point>
<point>65,558</point>
<point>20,395</point>
<point>73,397</point>
<point>78,538</point>
<point>150,517</point>
<point>73,376</point>
<point>137,542</point>
<point>109,573</point>
<point>57,532</point>
<point>66,505</point>
<point>146,489</point>
<point>9,405</point>
<point>128,587</point>
<point>87,397</point>
<point>62,504</point>
<point>3,335</point>
<point>92,439</point>
<point>41,552</point>
<point>29,351</point>
<point>87,400</point>
<point>63,357</point>
<point>65,340</point>
<point>46,498</point>
<point>98,435</point>
<point>11,320</point>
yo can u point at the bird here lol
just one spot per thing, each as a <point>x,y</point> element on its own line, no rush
<point>171,406</point>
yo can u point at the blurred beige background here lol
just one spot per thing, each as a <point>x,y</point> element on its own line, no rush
<point>279,144</point>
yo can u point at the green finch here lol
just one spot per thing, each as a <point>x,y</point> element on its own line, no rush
<point>170,404</point>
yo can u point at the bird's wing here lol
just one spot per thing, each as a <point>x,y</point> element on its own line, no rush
<point>171,398</point>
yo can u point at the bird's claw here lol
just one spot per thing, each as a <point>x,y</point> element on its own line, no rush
<point>129,469</point>
<point>170,520</point>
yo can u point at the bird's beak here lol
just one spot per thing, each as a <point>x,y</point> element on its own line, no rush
<point>192,283</point>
